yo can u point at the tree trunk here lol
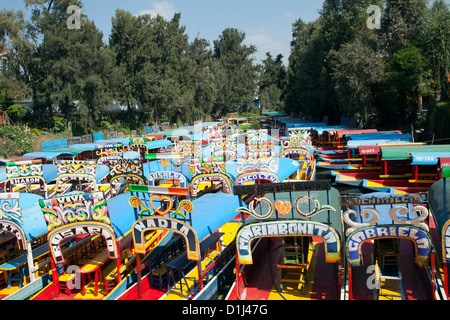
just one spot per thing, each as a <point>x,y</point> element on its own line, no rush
<point>130,115</point>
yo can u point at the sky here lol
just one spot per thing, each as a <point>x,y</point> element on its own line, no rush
<point>267,24</point>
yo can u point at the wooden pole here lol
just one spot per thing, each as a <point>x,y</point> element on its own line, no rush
<point>445,278</point>
<point>55,277</point>
<point>119,264</point>
<point>139,285</point>
<point>200,276</point>
<point>350,290</point>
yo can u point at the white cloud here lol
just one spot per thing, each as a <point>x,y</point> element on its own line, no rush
<point>289,14</point>
<point>164,9</point>
<point>258,39</point>
<point>265,43</point>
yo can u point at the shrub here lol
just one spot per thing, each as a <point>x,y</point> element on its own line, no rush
<point>17,111</point>
<point>59,124</point>
<point>15,140</point>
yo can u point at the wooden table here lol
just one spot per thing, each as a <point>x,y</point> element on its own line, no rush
<point>20,264</point>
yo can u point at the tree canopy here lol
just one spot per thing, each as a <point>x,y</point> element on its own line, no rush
<point>338,66</point>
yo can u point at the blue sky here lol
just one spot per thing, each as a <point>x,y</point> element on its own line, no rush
<point>266,23</point>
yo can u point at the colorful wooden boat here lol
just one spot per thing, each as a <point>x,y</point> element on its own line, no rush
<point>439,205</point>
<point>298,146</point>
<point>23,249</point>
<point>106,257</point>
<point>289,247</point>
<point>404,168</point>
<point>209,242</point>
<point>30,176</point>
<point>70,174</point>
<point>389,250</point>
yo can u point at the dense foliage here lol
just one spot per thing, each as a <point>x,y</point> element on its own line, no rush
<point>338,67</point>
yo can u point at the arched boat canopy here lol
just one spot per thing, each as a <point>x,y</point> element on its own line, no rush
<point>381,215</point>
<point>50,172</point>
<point>28,223</point>
<point>286,167</point>
<point>111,219</point>
<point>157,169</point>
<point>439,202</point>
<point>316,212</point>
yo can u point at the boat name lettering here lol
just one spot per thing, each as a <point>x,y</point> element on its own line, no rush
<point>286,228</point>
<point>210,177</point>
<point>304,152</point>
<point>57,237</point>
<point>25,180</point>
<point>257,176</point>
<point>161,223</point>
<point>356,201</point>
<point>418,236</point>
<point>166,175</point>
<point>72,198</point>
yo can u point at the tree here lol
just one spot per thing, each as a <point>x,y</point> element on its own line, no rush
<point>17,45</point>
<point>402,86</point>
<point>305,65</point>
<point>203,80</point>
<point>74,64</point>
<point>402,21</point>
<point>436,44</point>
<point>272,83</point>
<point>237,74</point>
<point>356,73</point>
<point>124,41</point>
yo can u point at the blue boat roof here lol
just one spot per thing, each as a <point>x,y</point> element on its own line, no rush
<point>131,155</point>
<point>124,141</point>
<point>306,125</point>
<point>48,155</point>
<point>222,205</point>
<point>322,130</point>
<point>34,224</point>
<point>353,144</point>
<point>87,146</point>
<point>377,135</point>
<point>101,171</point>
<point>427,158</point>
<point>159,144</point>
<point>121,213</point>
<point>286,167</point>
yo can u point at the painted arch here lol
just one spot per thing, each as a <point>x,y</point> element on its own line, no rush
<point>162,223</point>
<point>286,228</point>
<point>57,235</point>
<point>210,177</point>
<point>420,238</point>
